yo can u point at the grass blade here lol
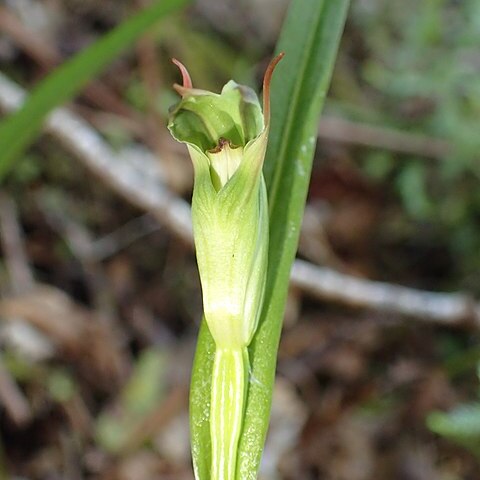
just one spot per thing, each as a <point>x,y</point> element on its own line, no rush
<point>310,38</point>
<point>21,128</point>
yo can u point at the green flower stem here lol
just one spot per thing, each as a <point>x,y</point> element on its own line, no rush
<point>230,374</point>
<point>226,135</point>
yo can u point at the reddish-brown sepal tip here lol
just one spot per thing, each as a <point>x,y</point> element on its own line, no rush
<point>186,80</point>
<point>266,85</point>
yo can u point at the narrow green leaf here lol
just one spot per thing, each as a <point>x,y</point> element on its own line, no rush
<point>310,38</point>
<point>21,128</point>
<point>200,391</point>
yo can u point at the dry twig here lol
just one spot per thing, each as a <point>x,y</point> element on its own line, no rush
<point>328,284</point>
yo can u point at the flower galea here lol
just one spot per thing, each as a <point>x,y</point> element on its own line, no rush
<point>226,136</point>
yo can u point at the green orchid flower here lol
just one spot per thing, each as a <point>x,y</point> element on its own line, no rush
<point>226,136</point>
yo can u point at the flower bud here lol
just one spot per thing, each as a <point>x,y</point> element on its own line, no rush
<point>226,135</point>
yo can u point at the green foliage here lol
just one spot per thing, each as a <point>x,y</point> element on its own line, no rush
<point>411,183</point>
<point>140,396</point>
<point>461,425</point>
<point>419,74</point>
<point>61,385</point>
<point>22,127</point>
<point>310,38</point>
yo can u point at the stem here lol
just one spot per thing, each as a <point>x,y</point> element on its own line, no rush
<point>230,370</point>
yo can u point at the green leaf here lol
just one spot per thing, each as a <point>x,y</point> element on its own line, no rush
<point>461,425</point>
<point>22,127</point>
<point>310,39</point>
<point>462,422</point>
<point>139,397</point>
<point>200,388</point>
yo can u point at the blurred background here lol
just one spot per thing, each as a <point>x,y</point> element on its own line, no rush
<point>99,293</point>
